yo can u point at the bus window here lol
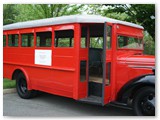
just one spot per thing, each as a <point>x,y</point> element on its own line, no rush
<point>108,73</point>
<point>83,66</point>
<point>84,37</point>
<point>4,40</point>
<point>13,40</point>
<point>96,37</point>
<point>109,34</point>
<point>64,38</point>
<point>27,40</point>
<point>96,42</point>
<point>44,39</point>
<point>129,42</point>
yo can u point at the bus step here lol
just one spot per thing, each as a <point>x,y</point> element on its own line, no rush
<point>92,100</point>
<point>121,105</point>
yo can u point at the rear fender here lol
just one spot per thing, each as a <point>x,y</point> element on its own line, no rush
<point>26,76</point>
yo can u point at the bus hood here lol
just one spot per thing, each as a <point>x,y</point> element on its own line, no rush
<point>141,60</point>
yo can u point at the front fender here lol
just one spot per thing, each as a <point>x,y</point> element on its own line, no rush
<point>148,79</point>
<point>133,85</point>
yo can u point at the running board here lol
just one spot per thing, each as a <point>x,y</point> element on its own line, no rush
<point>92,100</point>
<point>120,105</point>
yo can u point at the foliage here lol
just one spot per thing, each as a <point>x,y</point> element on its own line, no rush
<point>23,12</point>
<point>149,44</point>
<point>10,12</point>
<point>40,11</point>
<point>143,14</point>
<point>99,9</point>
<point>8,83</point>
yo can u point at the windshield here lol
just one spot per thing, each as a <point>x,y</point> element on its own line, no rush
<point>129,42</point>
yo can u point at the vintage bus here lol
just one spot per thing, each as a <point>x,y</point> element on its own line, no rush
<point>89,58</point>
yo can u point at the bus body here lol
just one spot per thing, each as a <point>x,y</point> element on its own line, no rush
<point>88,58</point>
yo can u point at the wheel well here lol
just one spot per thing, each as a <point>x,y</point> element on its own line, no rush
<point>129,94</point>
<point>135,89</point>
<point>15,73</point>
<point>129,90</point>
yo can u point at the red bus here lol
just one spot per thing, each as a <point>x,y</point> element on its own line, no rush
<point>89,58</point>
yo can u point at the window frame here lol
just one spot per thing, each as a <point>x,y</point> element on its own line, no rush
<point>133,36</point>
<point>27,31</point>
<point>86,38</point>
<point>81,72</point>
<point>21,40</point>
<point>5,40</point>
<point>71,43</point>
<point>41,31</point>
<point>108,25</point>
<point>9,39</point>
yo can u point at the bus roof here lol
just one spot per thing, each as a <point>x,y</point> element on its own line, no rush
<point>66,20</point>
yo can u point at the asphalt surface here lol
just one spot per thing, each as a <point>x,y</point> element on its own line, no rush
<point>51,105</point>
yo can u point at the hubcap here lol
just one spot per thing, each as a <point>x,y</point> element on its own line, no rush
<point>23,86</point>
<point>148,104</point>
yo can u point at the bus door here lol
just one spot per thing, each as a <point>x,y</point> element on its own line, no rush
<point>95,62</point>
<point>107,63</point>
<point>83,79</point>
<point>95,55</point>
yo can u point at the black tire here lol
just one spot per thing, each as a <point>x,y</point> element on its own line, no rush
<point>144,102</point>
<point>21,86</point>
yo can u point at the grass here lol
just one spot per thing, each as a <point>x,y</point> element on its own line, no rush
<point>8,83</point>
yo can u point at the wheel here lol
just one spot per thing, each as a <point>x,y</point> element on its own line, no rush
<point>144,102</point>
<point>21,86</point>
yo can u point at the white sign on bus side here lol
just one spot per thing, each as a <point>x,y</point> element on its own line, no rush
<point>43,57</point>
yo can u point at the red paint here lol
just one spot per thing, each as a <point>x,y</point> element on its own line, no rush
<point>43,29</point>
<point>63,76</point>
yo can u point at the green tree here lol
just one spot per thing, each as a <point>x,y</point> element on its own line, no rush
<point>40,11</point>
<point>9,13</point>
<point>149,44</point>
<point>143,14</point>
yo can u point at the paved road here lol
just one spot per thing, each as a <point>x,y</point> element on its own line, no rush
<point>51,105</point>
